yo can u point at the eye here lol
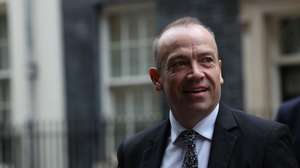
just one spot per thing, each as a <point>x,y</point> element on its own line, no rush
<point>207,61</point>
<point>177,64</point>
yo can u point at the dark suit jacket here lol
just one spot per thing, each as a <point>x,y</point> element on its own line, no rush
<point>289,114</point>
<point>239,141</point>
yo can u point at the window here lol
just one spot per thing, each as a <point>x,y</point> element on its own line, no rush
<point>289,36</point>
<point>271,56</point>
<point>128,99</point>
<point>287,55</point>
<point>290,81</point>
<point>283,32</point>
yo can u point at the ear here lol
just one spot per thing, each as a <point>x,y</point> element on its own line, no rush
<point>155,77</point>
<point>221,77</point>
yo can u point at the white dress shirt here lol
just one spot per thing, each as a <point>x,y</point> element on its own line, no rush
<point>174,153</point>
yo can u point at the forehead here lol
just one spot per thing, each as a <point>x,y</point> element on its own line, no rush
<point>186,37</point>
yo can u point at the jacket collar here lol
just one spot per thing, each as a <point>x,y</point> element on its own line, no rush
<point>224,138</point>
<point>154,153</point>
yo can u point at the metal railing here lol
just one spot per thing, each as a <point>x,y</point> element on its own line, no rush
<point>64,145</point>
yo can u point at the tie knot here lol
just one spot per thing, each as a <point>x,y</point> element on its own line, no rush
<point>188,137</point>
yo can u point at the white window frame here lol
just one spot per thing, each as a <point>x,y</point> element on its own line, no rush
<point>107,82</point>
<point>279,59</point>
<point>260,54</point>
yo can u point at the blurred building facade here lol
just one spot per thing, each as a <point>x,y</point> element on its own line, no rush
<point>271,54</point>
<point>78,70</point>
<point>32,84</point>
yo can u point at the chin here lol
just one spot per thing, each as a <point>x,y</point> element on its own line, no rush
<point>201,107</point>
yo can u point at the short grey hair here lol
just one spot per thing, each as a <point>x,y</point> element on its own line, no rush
<point>184,21</point>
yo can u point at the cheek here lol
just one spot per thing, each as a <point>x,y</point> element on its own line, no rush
<point>173,81</point>
<point>175,77</point>
<point>214,77</point>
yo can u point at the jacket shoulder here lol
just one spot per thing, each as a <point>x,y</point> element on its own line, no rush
<point>264,140</point>
<point>130,151</point>
<point>146,135</point>
<point>253,125</point>
<point>246,119</point>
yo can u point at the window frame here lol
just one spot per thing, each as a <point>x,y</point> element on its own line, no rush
<point>260,54</point>
<point>277,58</point>
<point>108,82</point>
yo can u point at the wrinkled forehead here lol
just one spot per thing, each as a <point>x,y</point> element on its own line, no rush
<point>182,36</point>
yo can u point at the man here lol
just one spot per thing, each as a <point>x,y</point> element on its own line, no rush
<point>289,114</point>
<point>200,131</point>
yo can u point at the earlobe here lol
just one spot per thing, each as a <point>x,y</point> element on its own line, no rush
<point>221,79</point>
<point>155,78</point>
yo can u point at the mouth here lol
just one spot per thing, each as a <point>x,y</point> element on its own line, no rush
<point>196,90</point>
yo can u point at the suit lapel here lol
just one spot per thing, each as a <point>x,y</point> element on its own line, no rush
<point>224,138</point>
<point>154,153</point>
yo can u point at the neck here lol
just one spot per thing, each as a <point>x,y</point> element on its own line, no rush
<point>188,121</point>
<point>189,118</point>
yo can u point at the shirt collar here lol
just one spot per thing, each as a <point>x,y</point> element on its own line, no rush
<point>205,127</point>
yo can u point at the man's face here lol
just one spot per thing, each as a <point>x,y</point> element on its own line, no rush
<point>190,74</point>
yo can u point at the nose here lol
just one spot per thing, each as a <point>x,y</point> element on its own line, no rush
<point>196,71</point>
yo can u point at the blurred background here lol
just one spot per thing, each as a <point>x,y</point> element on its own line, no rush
<point>73,73</point>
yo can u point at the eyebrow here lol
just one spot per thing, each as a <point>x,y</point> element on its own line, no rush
<point>176,56</point>
<point>182,55</point>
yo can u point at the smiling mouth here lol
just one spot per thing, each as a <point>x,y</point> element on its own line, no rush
<point>197,90</point>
